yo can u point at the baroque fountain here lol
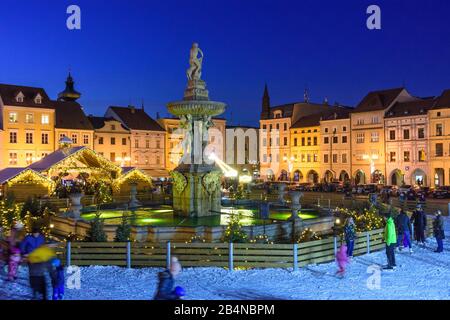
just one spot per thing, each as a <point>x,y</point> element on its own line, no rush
<point>197,181</point>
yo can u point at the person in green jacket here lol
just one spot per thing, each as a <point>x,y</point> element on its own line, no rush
<point>390,238</point>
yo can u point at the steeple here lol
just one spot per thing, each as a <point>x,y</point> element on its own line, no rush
<point>266,103</point>
<point>69,94</point>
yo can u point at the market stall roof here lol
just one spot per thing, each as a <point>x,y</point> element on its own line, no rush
<point>82,154</point>
<point>134,173</point>
<point>8,174</point>
<point>157,173</point>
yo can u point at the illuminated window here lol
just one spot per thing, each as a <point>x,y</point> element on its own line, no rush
<point>13,118</point>
<point>45,119</point>
<point>29,118</point>
<point>13,158</point>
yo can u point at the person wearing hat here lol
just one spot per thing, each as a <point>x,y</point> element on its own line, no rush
<point>438,230</point>
<point>419,219</point>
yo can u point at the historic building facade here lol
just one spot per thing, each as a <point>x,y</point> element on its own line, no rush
<point>147,139</point>
<point>439,141</point>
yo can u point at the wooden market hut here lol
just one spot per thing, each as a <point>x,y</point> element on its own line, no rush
<point>24,183</point>
<point>130,176</point>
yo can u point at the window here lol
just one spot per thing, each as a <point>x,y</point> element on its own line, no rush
<point>438,114</point>
<point>422,157</point>
<point>113,127</point>
<point>326,140</point>
<point>45,119</point>
<point>325,158</point>
<point>19,97</point>
<point>147,144</point>
<point>303,158</point>
<point>100,140</point>
<point>265,158</point>
<point>264,127</point>
<point>326,130</point>
<point>315,141</point>
<point>13,137</point>
<point>421,133</point>
<point>335,139</point>
<point>29,138</point>
<point>270,127</point>
<point>308,141</point>
<point>124,141</point>
<point>270,141</point>
<point>374,137</point>
<point>113,141</point>
<point>295,142</point>
<point>406,134</point>
<point>391,156</point>
<point>316,157</point>
<point>13,117</point>
<point>344,158</point>
<point>29,158</point>
<point>75,138</point>
<point>344,139</point>
<point>62,135</point>
<point>44,154</point>
<point>285,140</point>
<point>335,158</point>
<point>136,143</point>
<point>360,121</point>
<point>13,158</point>
<point>278,126</point>
<point>264,142</point>
<point>38,99</point>
<point>85,138</point>
<point>360,138</point>
<point>112,156</point>
<point>308,158</point>
<point>439,131</point>
<point>29,118</point>
<point>44,139</point>
<point>439,149</point>
<point>303,142</point>
<point>344,129</point>
<point>278,142</point>
<point>285,127</point>
<point>406,156</point>
<point>375,120</point>
<point>391,134</point>
<point>158,160</point>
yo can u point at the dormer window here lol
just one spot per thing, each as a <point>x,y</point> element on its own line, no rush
<point>277,114</point>
<point>19,97</point>
<point>38,99</point>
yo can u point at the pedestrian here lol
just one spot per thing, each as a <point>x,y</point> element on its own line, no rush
<point>38,265</point>
<point>350,235</point>
<point>57,277</point>
<point>438,230</point>
<point>419,219</point>
<point>13,263</point>
<point>391,242</point>
<point>403,224</point>
<point>342,260</point>
<point>32,241</point>
<point>166,290</point>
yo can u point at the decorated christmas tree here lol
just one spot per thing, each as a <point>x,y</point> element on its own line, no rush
<point>234,232</point>
<point>97,232</point>
<point>123,231</point>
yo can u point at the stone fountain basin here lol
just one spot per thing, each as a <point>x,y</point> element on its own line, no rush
<point>196,108</point>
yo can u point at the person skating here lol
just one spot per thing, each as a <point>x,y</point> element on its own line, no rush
<point>391,241</point>
<point>342,260</point>
<point>13,263</point>
<point>166,290</point>
<point>403,224</point>
<point>57,277</point>
<point>419,219</point>
<point>350,234</point>
<point>438,230</point>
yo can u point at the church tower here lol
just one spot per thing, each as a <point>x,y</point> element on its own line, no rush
<point>265,114</point>
<point>69,94</point>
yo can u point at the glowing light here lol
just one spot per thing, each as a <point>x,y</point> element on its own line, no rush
<point>245,179</point>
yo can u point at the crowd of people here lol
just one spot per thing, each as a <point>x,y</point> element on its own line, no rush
<point>398,236</point>
<point>41,259</point>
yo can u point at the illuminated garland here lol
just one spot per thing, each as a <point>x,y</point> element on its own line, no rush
<point>308,235</point>
<point>133,176</point>
<point>31,177</point>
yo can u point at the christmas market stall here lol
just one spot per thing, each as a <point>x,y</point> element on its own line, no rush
<point>130,178</point>
<point>23,183</point>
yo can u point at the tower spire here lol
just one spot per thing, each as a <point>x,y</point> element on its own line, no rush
<point>266,102</point>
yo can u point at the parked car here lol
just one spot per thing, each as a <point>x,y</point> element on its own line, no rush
<point>441,192</point>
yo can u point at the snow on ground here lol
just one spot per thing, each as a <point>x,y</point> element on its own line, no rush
<point>422,275</point>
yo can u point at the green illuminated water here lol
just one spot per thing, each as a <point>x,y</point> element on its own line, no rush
<point>163,217</point>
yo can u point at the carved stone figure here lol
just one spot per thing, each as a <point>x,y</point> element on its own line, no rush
<point>195,70</point>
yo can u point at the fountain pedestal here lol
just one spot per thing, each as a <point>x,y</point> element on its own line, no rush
<point>295,204</point>
<point>134,203</point>
<point>197,183</point>
<point>75,206</point>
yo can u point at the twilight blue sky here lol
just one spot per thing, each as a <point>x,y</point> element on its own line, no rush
<point>131,50</point>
